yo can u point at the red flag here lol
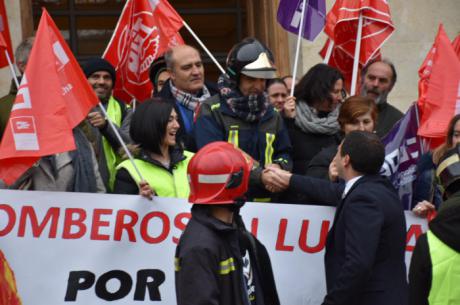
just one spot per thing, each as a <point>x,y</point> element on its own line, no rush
<point>343,62</point>
<point>456,45</point>
<point>145,30</point>
<point>3,44</point>
<point>342,26</point>
<point>440,100</point>
<point>5,40</point>
<point>53,98</point>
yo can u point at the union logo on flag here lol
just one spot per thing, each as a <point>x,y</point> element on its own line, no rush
<point>24,133</point>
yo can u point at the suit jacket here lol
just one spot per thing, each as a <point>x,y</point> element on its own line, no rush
<point>365,247</point>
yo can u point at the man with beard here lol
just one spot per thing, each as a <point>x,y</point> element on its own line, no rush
<point>187,88</point>
<point>377,80</point>
<point>242,114</point>
<point>101,76</point>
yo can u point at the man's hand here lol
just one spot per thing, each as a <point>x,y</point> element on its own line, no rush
<point>423,208</point>
<point>268,181</point>
<point>272,165</point>
<point>96,119</point>
<point>333,172</point>
<point>277,179</point>
<point>145,190</point>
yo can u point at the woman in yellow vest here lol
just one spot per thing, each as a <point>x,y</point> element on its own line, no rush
<point>162,163</point>
<point>434,273</point>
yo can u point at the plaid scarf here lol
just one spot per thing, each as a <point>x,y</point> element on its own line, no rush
<point>189,101</point>
<point>249,108</point>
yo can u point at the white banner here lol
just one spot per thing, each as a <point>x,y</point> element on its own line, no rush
<point>121,248</point>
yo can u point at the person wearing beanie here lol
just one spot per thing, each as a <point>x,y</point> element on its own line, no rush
<point>158,74</point>
<point>101,76</point>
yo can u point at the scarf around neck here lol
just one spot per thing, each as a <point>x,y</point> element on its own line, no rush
<point>308,121</point>
<point>249,108</point>
<point>188,100</point>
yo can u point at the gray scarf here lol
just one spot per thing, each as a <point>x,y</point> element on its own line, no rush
<point>308,121</point>
<point>84,177</point>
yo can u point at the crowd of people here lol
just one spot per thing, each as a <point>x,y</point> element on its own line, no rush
<point>271,147</point>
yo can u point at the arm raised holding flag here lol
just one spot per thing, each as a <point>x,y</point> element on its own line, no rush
<point>53,98</point>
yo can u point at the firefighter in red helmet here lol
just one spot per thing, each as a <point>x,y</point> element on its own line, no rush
<point>217,261</point>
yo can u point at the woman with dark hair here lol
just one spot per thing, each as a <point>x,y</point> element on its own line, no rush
<point>161,162</point>
<point>315,126</point>
<point>356,113</point>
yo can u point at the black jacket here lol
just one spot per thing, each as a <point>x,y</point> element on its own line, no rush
<point>365,247</point>
<point>446,226</point>
<point>319,165</point>
<point>185,140</point>
<point>209,264</point>
<point>388,116</point>
<point>306,145</point>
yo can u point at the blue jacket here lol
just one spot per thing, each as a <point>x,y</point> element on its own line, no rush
<point>266,141</point>
<point>185,133</point>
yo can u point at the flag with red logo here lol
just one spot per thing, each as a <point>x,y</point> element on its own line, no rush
<point>342,27</point>
<point>54,96</point>
<point>440,96</point>
<point>145,30</point>
<point>5,40</point>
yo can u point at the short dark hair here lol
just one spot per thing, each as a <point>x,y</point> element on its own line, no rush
<point>385,61</point>
<point>316,85</point>
<point>275,81</point>
<point>169,56</point>
<point>365,150</point>
<point>148,124</point>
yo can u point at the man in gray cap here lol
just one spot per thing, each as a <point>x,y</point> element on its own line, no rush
<point>101,76</point>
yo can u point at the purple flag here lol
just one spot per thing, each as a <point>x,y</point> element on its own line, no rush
<point>290,12</point>
<point>402,151</point>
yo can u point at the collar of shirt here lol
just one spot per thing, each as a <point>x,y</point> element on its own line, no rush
<point>349,184</point>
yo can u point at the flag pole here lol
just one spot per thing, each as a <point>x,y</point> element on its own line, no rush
<point>330,47</point>
<point>123,144</point>
<point>299,40</point>
<point>204,47</point>
<point>13,73</point>
<point>357,52</point>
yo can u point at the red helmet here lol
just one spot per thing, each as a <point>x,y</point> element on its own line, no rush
<point>218,174</point>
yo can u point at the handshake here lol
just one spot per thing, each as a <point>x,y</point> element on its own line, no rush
<point>275,179</point>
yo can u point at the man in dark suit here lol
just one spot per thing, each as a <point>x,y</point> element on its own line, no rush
<point>365,247</point>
